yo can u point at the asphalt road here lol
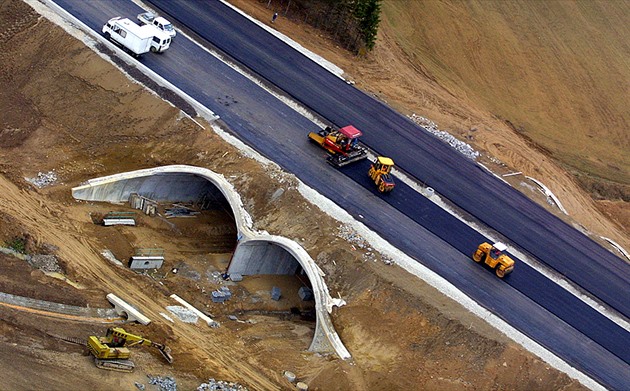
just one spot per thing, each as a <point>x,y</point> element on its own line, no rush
<point>526,299</point>
<point>498,205</point>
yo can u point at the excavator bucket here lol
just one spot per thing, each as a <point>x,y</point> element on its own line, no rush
<point>166,352</point>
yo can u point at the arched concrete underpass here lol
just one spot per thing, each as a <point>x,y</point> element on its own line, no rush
<point>276,255</point>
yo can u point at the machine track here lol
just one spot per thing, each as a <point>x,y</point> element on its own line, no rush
<point>115,365</point>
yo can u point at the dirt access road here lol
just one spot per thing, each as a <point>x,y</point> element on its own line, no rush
<point>67,110</point>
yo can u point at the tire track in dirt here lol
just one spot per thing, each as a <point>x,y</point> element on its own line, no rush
<point>47,225</point>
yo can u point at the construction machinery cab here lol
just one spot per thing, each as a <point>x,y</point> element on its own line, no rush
<point>497,249</point>
<point>111,351</point>
<point>342,140</point>
<point>493,256</point>
<point>342,144</point>
<point>380,173</point>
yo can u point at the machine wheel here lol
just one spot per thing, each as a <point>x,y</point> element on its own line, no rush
<point>478,260</point>
<point>381,187</point>
<point>153,49</point>
<point>500,272</point>
<point>108,36</point>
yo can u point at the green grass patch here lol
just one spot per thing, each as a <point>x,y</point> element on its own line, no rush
<point>17,244</point>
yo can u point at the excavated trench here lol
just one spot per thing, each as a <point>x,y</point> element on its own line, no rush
<point>254,253</point>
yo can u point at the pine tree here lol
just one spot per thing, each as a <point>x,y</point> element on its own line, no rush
<point>368,16</point>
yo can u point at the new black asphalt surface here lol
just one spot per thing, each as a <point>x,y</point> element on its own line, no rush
<point>527,300</point>
<point>390,134</point>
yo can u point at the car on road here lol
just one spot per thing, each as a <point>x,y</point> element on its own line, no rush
<point>135,39</point>
<point>157,21</point>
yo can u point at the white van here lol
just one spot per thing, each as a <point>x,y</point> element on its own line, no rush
<point>136,39</point>
<point>129,35</point>
<point>160,41</point>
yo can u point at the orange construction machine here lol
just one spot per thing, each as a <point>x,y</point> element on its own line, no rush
<point>380,173</point>
<point>342,144</point>
<point>492,255</point>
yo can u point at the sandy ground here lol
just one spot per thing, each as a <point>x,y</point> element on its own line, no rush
<point>66,109</point>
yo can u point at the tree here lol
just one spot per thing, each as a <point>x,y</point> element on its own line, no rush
<point>368,16</point>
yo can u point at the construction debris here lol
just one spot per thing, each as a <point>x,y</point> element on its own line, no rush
<point>348,234</point>
<point>167,317</point>
<point>183,314</point>
<point>43,179</point>
<point>276,293</point>
<point>431,127</point>
<point>119,218</point>
<point>200,314</point>
<point>147,258</point>
<point>290,376</point>
<point>164,384</point>
<point>179,211</point>
<point>236,277</point>
<point>305,293</point>
<point>221,295</point>
<point>220,385</point>
<point>148,206</point>
<point>109,255</point>
<point>45,263</point>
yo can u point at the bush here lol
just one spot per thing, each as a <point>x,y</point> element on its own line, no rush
<point>17,245</point>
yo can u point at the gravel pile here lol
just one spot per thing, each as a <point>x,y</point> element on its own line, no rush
<point>43,179</point>
<point>350,235</point>
<point>214,277</point>
<point>164,383</point>
<point>431,127</point>
<point>183,314</point>
<point>220,385</point>
<point>45,263</point>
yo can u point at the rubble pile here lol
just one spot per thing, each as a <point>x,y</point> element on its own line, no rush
<point>43,179</point>
<point>164,383</point>
<point>214,277</point>
<point>179,211</point>
<point>45,263</point>
<point>183,314</point>
<point>431,127</point>
<point>220,385</point>
<point>357,241</point>
<point>220,295</point>
<point>348,234</point>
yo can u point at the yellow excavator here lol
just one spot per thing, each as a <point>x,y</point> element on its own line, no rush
<point>492,255</point>
<point>111,351</point>
<point>380,173</point>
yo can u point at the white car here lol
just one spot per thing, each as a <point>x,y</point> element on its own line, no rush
<point>157,21</point>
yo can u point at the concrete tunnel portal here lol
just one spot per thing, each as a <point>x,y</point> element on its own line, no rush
<point>254,252</point>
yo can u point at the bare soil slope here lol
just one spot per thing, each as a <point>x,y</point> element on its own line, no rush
<point>558,71</point>
<point>66,109</point>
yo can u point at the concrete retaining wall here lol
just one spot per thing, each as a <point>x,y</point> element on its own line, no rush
<point>255,252</point>
<point>58,308</point>
<point>255,256</point>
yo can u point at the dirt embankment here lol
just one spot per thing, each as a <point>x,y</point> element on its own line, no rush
<point>70,111</point>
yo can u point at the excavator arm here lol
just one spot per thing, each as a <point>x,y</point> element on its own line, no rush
<point>129,340</point>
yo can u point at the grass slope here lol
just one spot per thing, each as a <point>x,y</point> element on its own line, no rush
<point>558,71</point>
